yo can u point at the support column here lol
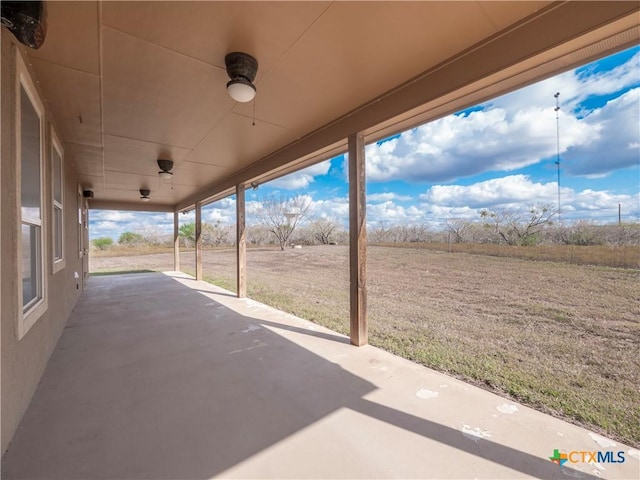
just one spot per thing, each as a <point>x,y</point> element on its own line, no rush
<point>198,241</point>
<point>358,240</point>
<point>176,241</point>
<point>241,242</point>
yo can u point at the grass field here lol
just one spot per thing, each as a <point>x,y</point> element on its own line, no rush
<point>559,337</point>
<point>623,256</point>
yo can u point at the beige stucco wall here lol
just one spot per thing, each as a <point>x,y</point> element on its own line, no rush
<point>23,361</point>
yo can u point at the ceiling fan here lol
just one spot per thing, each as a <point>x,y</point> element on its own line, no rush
<point>242,69</point>
<point>27,21</point>
<point>165,169</point>
<point>144,194</point>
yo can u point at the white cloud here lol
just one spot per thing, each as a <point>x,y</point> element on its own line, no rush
<point>489,140</point>
<point>519,129</point>
<point>391,213</point>
<point>594,203</point>
<point>518,192</point>
<point>604,83</point>
<point>139,222</point>
<point>223,211</point>
<point>617,144</point>
<point>336,208</point>
<point>387,212</point>
<point>187,217</point>
<point>490,193</point>
<point>302,178</point>
<point>112,215</point>
<point>105,225</point>
<point>386,196</point>
<point>574,87</point>
<point>218,215</point>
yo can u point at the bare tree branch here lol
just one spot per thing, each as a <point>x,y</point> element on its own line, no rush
<point>517,228</point>
<point>282,215</point>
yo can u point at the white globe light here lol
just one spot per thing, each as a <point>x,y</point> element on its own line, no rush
<point>241,92</point>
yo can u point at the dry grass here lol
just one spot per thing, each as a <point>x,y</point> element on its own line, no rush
<point>624,256</point>
<point>126,251</point>
<point>561,338</point>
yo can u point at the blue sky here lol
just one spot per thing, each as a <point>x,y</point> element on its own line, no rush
<point>497,155</point>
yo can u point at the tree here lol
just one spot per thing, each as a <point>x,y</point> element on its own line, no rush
<point>187,233</point>
<point>457,228</point>
<point>102,243</point>
<point>380,234</point>
<point>518,228</point>
<point>215,234</point>
<point>259,235</point>
<point>282,215</point>
<point>410,233</point>
<point>130,239</point>
<point>322,230</point>
<point>151,234</point>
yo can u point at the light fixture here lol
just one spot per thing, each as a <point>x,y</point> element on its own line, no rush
<point>165,168</point>
<point>144,194</point>
<point>26,20</point>
<point>242,69</point>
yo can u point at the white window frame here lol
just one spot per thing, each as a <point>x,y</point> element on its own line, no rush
<point>56,147</point>
<point>30,313</point>
<point>80,198</point>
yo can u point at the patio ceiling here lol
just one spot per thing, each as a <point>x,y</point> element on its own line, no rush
<point>130,82</point>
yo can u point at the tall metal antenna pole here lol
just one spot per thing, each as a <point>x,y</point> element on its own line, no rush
<point>619,214</point>
<point>557,109</point>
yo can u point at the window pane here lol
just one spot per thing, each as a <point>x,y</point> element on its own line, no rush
<point>57,225</point>
<point>30,161</point>
<point>80,233</point>
<point>30,261</point>
<point>57,176</point>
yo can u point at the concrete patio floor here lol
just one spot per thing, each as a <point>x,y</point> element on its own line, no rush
<point>159,376</point>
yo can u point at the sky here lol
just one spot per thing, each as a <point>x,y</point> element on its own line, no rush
<point>499,155</point>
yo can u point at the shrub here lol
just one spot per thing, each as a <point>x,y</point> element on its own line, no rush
<point>130,238</point>
<point>102,243</point>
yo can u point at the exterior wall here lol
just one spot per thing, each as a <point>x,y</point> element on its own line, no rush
<point>23,361</point>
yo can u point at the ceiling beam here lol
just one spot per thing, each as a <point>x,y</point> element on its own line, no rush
<point>135,207</point>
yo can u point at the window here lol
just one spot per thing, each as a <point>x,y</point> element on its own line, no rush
<point>57,189</point>
<point>30,153</point>
<point>80,231</point>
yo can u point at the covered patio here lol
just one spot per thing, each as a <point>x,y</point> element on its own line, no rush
<point>162,376</point>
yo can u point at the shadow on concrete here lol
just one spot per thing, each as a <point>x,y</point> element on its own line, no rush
<point>153,382</point>
<point>224,294</point>
<point>305,331</point>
